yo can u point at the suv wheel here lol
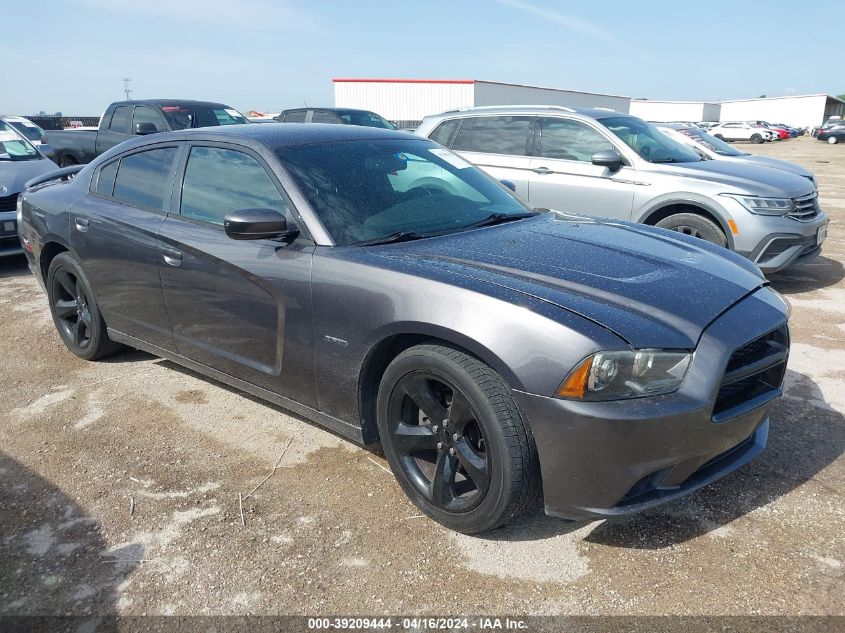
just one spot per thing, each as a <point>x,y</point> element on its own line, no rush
<point>456,440</point>
<point>756,138</point>
<point>719,136</point>
<point>696,226</point>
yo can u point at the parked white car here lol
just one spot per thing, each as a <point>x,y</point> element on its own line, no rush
<point>741,131</point>
<point>25,128</point>
<point>713,148</point>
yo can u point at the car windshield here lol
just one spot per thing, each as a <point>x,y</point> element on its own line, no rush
<point>712,143</point>
<point>384,190</point>
<point>367,119</point>
<point>29,130</point>
<point>181,117</point>
<point>649,142</point>
<point>14,147</point>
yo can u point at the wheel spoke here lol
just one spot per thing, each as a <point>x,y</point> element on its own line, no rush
<point>66,282</point>
<point>85,317</point>
<point>460,412</point>
<point>78,329</point>
<point>412,438</point>
<point>65,308</point>
<point>473,463</point>
<point>443,482</point>
<point>419,391</point>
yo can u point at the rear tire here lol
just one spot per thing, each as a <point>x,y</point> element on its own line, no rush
<point>696,226</point>
<point>76,314</point>
<point>832,140</point>
<point>756,139</point>
<point>456,440</point>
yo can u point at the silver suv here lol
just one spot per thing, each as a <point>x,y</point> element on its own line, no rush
<point>604,163</point>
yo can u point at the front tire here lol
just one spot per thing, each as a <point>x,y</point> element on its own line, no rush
<point>756,139</point>
<point>720,137</point>
<point>696,226</point>
<point>832,140</point>
<point>76,314</point>
<point>456,440</point>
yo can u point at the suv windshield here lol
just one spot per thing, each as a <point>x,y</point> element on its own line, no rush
<point>649,142</point>
<point>14,147</point>
<point>367,119</point>
<point>181,117</point>
<point>386,190</point>
<point>711,142</point>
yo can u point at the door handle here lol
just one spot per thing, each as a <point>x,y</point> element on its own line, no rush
<point>543,171</point>
<point>171,256</point>
<point>81,224</point>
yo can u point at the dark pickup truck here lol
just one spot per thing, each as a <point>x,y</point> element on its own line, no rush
<point>125,119</point>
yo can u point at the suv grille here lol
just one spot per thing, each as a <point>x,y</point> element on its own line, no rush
<point>806,208</point>
<point>754,375</point>
<point>8,203</point>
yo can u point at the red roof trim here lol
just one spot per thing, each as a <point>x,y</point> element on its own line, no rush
<point>403,81</point>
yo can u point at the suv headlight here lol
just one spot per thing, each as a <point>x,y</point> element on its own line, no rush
<point>628,374</point>
<point>765,206</point>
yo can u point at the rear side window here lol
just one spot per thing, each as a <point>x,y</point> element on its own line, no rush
<point>499,135</point>
<point>570,140</point>
<point>105,180</point>
<point>221,181</point>
<point>324,116</point>
<point>443,132</point>
<point>297,116</point>
<point>120,120</point>
<point>143,178</point>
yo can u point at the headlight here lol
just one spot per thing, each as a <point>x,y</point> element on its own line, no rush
<point>628,374</point>
<point>765,206</point>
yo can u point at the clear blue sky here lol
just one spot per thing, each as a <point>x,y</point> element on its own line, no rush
<point>71,55</point>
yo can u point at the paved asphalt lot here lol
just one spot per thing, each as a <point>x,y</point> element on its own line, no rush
<point>330,532</point>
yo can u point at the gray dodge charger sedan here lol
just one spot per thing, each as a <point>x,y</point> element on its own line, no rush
<point>383,287</point>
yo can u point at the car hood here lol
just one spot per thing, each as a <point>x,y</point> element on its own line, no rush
<point>13,174</point>
<point>745,178</point>
<point>653,288</point>
<point>774,163</point>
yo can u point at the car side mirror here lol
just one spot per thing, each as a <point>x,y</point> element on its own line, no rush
<point>510,185</point>
<point>257,224</point>
<point>607,158</point>
<point>142,129</point>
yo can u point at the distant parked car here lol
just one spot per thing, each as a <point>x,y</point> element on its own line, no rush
<point>716,149</point>
<point>127,119</point>
<point>604,163</point>
<point>741,131</point>
<point>20,161</point>
<point>778,132</point>
<point>833,133</point>
<point>338,116</point>
<point>26,128</point>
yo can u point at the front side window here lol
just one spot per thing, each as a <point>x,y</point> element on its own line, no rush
<point>181,117</point>
<point>28,129</point>
<point>120,120</point>
<point>143,178</point>
<point>366,191</point>
<point>650,143</point>
<point>324,116</point>
<point>221,181</point>
<point>500,135</point>
<point>14,147</point>
<point>296,116</point>
<point>570,140</point>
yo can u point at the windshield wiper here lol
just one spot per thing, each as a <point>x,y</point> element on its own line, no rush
<point>500,218</point>
<point>399,236</point>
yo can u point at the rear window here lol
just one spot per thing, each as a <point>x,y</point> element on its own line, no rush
<point>497,135</point>
<point>181,117</point>
<point>142,179</point>
<point>443,132</point>
<point>324,116</point>
<point>297,116</point>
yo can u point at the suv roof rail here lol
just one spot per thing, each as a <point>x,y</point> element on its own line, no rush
<point>508,107</point>
<point>605,109</point>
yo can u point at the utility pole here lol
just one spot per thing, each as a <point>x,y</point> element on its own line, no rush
<point>126,87</point>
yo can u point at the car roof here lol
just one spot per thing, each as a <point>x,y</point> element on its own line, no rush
<point>171,102</point>
<point>276,135</point>
<point>594,113</point>
<point>327,109</point>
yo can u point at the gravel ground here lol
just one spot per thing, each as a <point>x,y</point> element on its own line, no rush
<point>119,486</point>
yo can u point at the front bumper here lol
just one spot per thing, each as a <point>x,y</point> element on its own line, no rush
<point>10,243</point>
<point>601,459</point>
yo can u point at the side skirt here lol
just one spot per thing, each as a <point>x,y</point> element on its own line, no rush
<point>345,429</point>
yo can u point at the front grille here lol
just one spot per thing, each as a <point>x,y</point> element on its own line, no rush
<point>754,374</point>
<point>806,208</point>
<point>8,203</point>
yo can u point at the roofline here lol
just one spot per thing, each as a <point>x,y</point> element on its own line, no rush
<point>818,94</point>
<point>340,80</point>
<point>644,100</point>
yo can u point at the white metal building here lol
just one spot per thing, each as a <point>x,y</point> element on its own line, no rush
<point>799,111</point>
<point>666,111</point>
<point>408,101</point>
